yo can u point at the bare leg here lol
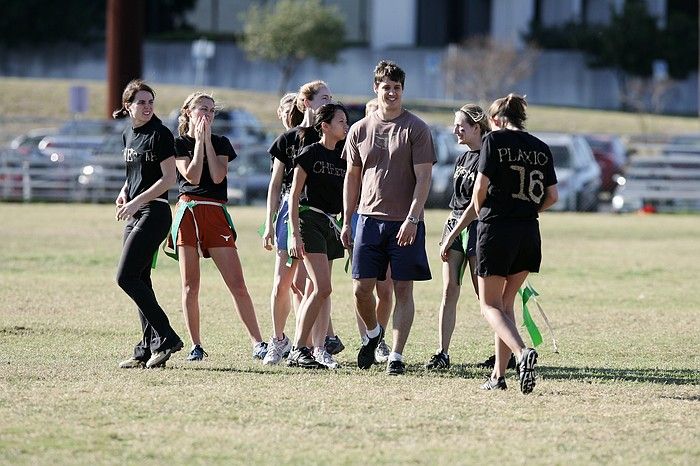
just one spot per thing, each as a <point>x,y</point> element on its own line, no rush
<point>280,301</point>
<point>403,314</point>
<point>450,296</point>
<point>317,265</point>
<point>229,265</point>
<point>365,305</point>
<point>188,260</point>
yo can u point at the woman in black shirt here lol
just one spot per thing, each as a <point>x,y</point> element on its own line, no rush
<point>319,171</point>
<point>516,180</point>
<point>202,225</point>
<point>458,244</point>
<point>143,202</point>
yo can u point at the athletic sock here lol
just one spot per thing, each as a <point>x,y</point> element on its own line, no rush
<point>374,332</point>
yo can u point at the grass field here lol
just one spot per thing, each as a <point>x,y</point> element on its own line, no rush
<point>30,103</point>
<point>624,389</point>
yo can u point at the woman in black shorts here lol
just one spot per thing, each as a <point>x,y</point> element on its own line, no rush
<point>315,233</point>
<point>516,180</point>
<point>143,201</point>
<point>458,243</point>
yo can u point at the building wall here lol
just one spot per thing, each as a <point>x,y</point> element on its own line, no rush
<point>510,19</point>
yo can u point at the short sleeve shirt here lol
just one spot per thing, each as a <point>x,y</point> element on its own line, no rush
<point>387,152</point>
<point>286,148</point>
<point>325,174</point>
<point>519,167</point>
<point>184,147</point>
<point>463,179</point>
<point>145,148</point>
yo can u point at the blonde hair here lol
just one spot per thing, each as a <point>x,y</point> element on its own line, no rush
<point>475,116</point>
<point>183,119</point>
<point>510,109</point>
<point>306,91</point>
<point>371,106</point>
<point>283,110</point>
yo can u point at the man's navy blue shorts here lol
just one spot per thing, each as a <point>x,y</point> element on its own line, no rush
<point>376,247</point>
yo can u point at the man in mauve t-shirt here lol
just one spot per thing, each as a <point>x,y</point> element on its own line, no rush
<point>390,156</point>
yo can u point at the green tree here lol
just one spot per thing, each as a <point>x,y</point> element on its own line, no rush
<point>291,31</point>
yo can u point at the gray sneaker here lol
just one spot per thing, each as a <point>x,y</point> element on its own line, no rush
<point>277,350</point>
<point>260,350</point>
<point>381,354</point>
<point>526,368</point>
<point>495,384</point>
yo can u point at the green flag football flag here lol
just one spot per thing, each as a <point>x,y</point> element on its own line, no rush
<point>535,335</point>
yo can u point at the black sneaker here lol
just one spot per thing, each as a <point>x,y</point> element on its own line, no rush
<point>438,361</point>
<point>495,384</point>
<point>365,357</point>
<point>489,363</point>
<point>302,357</point>
<point>526,369</point>
<point>395,368</point>
<point>197,354</point>
<point>334,345</point>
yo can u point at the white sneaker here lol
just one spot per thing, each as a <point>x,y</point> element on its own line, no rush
<point>325,358</point>
<point>277,350</point>
<point>381,354</point>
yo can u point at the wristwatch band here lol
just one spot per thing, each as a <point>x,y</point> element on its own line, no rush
<point>413,220</point>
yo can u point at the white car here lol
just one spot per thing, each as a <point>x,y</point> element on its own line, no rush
<point>578,173</point>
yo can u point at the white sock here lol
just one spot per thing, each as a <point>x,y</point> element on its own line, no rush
<point>395,357</point>
<point>374,332</point>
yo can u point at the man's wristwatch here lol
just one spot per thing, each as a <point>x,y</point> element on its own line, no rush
<point>413,220</point>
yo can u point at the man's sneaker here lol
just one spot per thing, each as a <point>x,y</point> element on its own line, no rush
<point>395,368</point>
<point>302,357</point>
<point>277,350</point>
<point>132,363</point>
<point>323,357</point>
<point>260,350</point>
<point>365,357</point>
<point>495,384</point>
<point>438,361</point>
<point>334,345</point>
<point>526,369</point>
<point>159,357</point>
<point>381,354</point>
<point>489,363</point>
<point>197,353</point>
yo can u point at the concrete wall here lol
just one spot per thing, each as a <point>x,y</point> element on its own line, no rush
<point>560,78</point>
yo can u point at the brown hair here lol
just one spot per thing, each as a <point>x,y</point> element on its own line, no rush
<point>183,119</point>
<point>306,91</point>
<point>389,69</point>
<point>510,109</point>
<point>129,94</point>
<point>476,116</point>
<point>324,114</point>
<point>286,103</point>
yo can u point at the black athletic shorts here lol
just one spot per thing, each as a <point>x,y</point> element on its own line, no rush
<point>508,247</point>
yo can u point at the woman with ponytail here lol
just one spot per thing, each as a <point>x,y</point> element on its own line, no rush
<point>515,181</point>
<point>203,227</point>
<point>143,202</point>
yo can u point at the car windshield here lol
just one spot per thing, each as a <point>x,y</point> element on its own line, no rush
<point>562,156</point>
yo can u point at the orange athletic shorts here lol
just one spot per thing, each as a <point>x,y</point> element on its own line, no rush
<point>214,230</point>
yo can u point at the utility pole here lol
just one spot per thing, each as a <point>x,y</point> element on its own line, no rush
<point>124,47</point>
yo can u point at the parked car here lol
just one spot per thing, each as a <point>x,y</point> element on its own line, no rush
<point>27,144</point>
<point>446,152</point>
<point>240,126</point>
<point>609,151</point>
<point>577,171</point>
<point>249,176</point>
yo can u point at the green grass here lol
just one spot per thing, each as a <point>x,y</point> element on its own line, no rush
<point>28,103</point>
<point>619,290</point>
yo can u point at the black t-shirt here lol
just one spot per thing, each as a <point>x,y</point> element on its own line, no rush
<point>145,148</point>
<point>325,173</point>
<point>184,147</point>
<point>519,167</point>
<point>286,148</point>
<point>463,179</point>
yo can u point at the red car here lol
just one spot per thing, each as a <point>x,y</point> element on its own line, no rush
<point>609,151</point>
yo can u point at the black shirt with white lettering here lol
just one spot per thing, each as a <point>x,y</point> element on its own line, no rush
<point>286,148</point>
<point>519,167</point>
<point>145,148</point>
<point>325,173</point>
<point>463,180</point>
<point>184,147</point>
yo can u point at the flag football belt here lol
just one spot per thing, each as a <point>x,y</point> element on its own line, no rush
<point>170,248</point>
<point>335,223</point>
